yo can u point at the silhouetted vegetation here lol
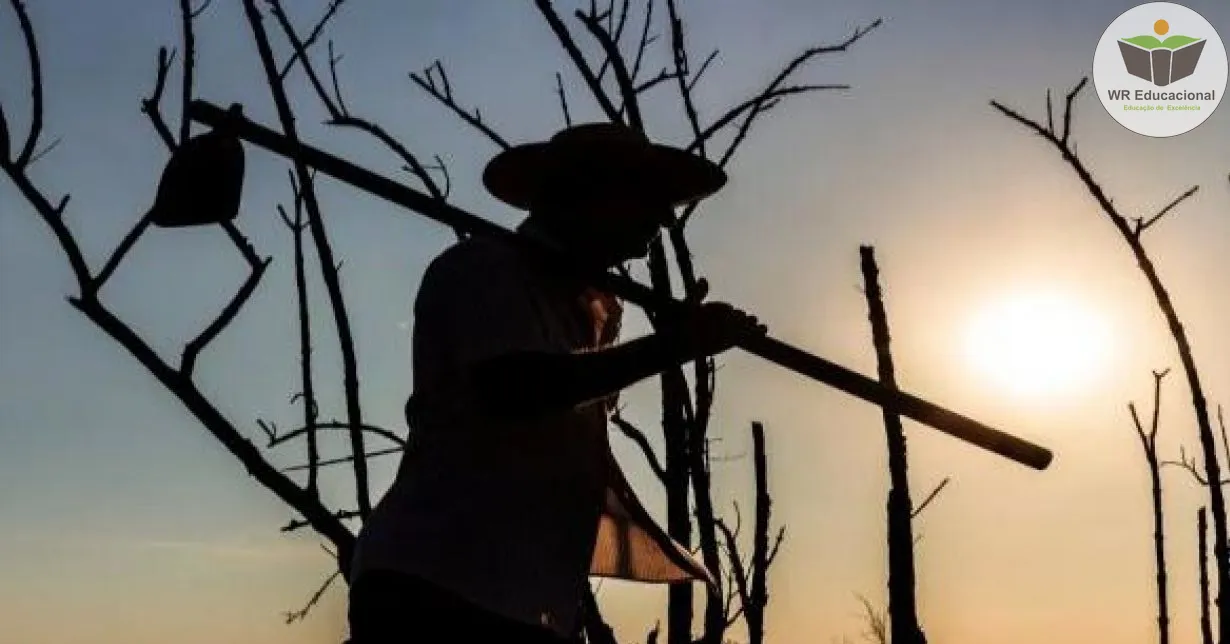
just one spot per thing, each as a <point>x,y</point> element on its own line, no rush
<point>614,67</point>
<point>1132,231</point>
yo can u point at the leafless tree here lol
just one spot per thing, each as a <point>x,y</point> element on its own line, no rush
<point>178,380</point>
<point>902,605</point>
<point>613,64</point>
<point>1206,627</point>
<point>750,578</point>
<point>1148,442</point>
<point>1131,230</point>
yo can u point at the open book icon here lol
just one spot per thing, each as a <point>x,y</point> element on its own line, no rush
<point>1161,62</point>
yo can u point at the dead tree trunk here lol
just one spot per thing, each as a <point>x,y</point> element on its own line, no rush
<point>902,608</point>
<point>759,594</point>
<point>1206,627</point>
<point>1148,441</point>
<point>750,579</point>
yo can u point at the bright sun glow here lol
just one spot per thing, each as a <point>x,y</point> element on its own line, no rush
<point>1038,344</point>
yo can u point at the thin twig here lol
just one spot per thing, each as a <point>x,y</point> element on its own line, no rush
<point>324,252</point>
<point>185,11</point>
<point>578,59</point>
<point>645,41</point>
<point>1067,111</point>
<point>294,616</point>
<point>700,71</point>
<point>151,105</point>
<point>299,524</point>
<point>775,89</point>
<point>930,497</point>
<point>444,94</point>
<point>637,436</point>
<point>347,459</point>
<point>563,99</point>
<point>276,439</point>
<point>42,153</point>
<point>337,85</point>
<point>662,77</point>
<point>196,13</point>
<point>622,77</point>
<point>193,349</point>
<point>679,54</point>
<point>297,227</point>
<point>1142,226</point>
<point>755,103</point>
<point>307,43</point>
<point>1189,464</point>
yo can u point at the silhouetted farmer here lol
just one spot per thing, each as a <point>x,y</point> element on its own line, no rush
<point>508,497</point>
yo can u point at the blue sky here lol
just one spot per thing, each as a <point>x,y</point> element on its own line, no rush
<point>125,521</point>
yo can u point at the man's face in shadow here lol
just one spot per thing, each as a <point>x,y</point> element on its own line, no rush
<point>611,223</point>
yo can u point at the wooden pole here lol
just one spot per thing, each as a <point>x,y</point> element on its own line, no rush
<point>776,351</point>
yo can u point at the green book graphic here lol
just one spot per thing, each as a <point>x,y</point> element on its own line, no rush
<point>1161,62</point>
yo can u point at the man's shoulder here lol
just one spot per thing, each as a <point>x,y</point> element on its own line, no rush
<point>481,253</point>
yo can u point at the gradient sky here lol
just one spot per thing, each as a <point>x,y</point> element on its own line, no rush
<point>124,521</point>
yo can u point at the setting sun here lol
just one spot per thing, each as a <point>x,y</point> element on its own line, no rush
<point>1037,344</point>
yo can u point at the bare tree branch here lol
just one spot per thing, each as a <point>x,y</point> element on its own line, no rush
<point>44,152</point>
<point>1141,226</point>
<point>1208,441</point>
<point>299,524</point>
<point>297,226</point>
<point>578,59</point>
<point>755,104</point>
<point>338,113</point>
<point>185,10</point>
<point>775,87</point>
<point>276,439</point>
<point>294,616</point>
<point>151,105</point>
<point>622,76</point>
<point>36,86</point>
<point>563,99</point>
<point>324,252</point>
<point>679,53</point>
<point>737,568</point>
<point>662,77</point>
<point>312,37</point>
<point>193,349</point>
<point>53,216</point>
<point>1148,441</point>
<point>1067,111</point>
<point>444,93</point>
<point>701,72</point>
<point>930,497</point>
<point>645,40</point>
<point>196,13</point>
<point>1189,464</point>
<point>613,28</point>
<point>347,459</point>
<point>642,442</point>
<point>222,430</point>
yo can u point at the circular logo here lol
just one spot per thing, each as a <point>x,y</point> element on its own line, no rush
<point>1160,69</point>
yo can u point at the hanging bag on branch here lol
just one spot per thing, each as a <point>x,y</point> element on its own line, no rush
<point>202,181</point>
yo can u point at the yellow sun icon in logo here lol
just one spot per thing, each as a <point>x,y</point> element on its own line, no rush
<point>1161,27</point>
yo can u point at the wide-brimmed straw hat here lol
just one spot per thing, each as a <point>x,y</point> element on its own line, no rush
<point>595,156</point>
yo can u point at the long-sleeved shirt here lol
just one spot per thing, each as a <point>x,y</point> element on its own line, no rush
<point>511,515</point>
